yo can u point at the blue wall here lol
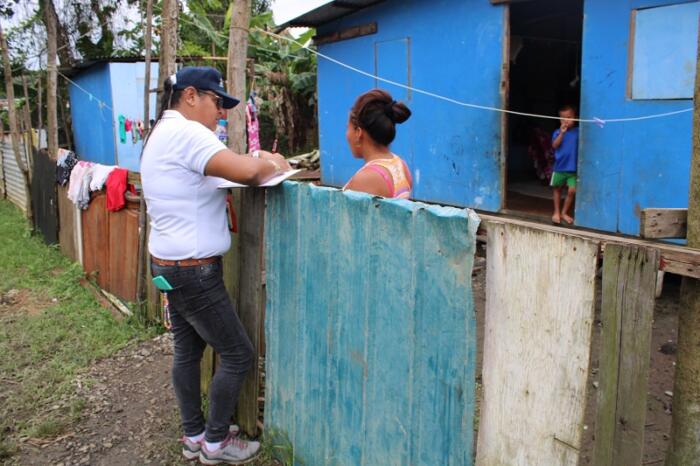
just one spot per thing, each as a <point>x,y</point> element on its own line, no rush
<point>625,167</point>
<point>371,362</point>
<point>455,50</point>
<point>127,88</point>
<point>95,129</point>
<point>92,124</point>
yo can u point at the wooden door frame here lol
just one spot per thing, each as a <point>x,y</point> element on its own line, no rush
<point>505,94</point>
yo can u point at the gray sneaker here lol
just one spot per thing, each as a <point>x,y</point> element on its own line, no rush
<point>233,450</point>
<point>190,449</point>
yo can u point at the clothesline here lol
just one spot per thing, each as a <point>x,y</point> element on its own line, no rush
<point>595,120</point>
<point>102,104</point>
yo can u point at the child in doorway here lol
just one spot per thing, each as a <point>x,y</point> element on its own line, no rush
<point>565,144</point>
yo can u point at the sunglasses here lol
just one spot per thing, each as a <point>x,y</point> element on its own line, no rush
<point>218,100</point>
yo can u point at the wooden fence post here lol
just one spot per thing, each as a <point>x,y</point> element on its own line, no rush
<point>629,277</point>
<point>248,265</point>
<point>685,430</point>
<point>143,260</point>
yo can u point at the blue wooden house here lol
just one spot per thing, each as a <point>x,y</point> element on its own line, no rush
<point>103,95</point>
<point>610,59</point>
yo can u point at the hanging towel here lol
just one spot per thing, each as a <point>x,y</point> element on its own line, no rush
<point>116,187</point>
<point>122,129</point>
<point>76,180</point>
<point>84,195</point>
<point>99,176</point>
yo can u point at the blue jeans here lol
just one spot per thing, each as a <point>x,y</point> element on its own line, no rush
<point>201,312</point>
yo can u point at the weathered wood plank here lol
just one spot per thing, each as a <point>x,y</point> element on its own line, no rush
<point>540,292</point>
<point>629,276</point>
<point>345,34</point>
<point>250,307</point>
<point>676,259</point>
<point>664,223</point>
<point>67,228</point>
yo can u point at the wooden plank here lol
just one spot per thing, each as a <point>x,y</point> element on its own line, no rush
<point>540,299</point>
<point>251,303</point>
<point>67,237</point>
<point>664,223</point>
<point>122,246</point>
<point>95,235</point>
<point>629,276</point>
<point>345,34</point>
<point>676,259</point>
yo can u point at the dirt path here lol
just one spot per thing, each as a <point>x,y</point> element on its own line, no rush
<point>130,417</point>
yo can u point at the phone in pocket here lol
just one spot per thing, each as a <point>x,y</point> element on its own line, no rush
<point>162,283</point>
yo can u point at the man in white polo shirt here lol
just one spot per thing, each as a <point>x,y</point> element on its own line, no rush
<point>183,163</point>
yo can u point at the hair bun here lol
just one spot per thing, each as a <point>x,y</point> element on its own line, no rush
<point>389,110</point>
<point>399,112</point>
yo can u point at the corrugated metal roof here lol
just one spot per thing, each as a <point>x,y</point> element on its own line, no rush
<point>328,12</point>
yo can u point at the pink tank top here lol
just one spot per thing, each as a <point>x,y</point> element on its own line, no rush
<point>398,180</point>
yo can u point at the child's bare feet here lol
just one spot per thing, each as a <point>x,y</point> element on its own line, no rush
<point>567,219</point>
<point>556,219</point>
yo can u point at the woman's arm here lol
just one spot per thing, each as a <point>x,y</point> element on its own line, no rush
<point>246,170</point>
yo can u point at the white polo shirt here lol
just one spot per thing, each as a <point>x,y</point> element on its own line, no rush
<point>186,209</point>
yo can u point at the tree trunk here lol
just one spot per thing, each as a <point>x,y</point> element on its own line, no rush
<point>685,429</point>
<point>51,81</point>
<point>28,136</point>
<point>237,53</point>
<point>40,106</point>
<point>60,41</point>
<point>66,122</point>
<point>14,132</point>
<point>168,44</point>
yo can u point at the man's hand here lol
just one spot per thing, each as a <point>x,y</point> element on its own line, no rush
<point>277,158</point>
<point>564,127</point>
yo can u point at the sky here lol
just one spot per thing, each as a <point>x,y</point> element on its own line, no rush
<point>284,10</point>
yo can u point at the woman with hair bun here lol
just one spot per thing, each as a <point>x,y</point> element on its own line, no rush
<point>371,128</point>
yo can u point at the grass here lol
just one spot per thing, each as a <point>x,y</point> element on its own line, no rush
<point>55,330</point>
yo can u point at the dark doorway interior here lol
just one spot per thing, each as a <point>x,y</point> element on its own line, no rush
<point>545,74</point>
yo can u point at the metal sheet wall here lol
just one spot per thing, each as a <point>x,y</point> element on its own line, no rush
<point>370,328</point>
<point>13,179</point>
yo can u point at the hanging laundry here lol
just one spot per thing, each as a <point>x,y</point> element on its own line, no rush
<point>253,124</point>
<point>84,196</point>
<point>99,176</point>
<point>79,187</point>
<point>122,129</point>
<point>139,125</point>
<point>116,187</point>
<point>64,166</point>
<point>134,133</point>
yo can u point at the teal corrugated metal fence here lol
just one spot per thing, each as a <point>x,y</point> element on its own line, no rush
<point>371,335</point>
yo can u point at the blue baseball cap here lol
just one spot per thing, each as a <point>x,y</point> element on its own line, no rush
<point>204,78</point>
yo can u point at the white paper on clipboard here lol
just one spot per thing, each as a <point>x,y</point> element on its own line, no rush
<point>271,182</point>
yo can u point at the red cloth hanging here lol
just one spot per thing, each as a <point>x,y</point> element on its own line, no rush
<point>116,187</point>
